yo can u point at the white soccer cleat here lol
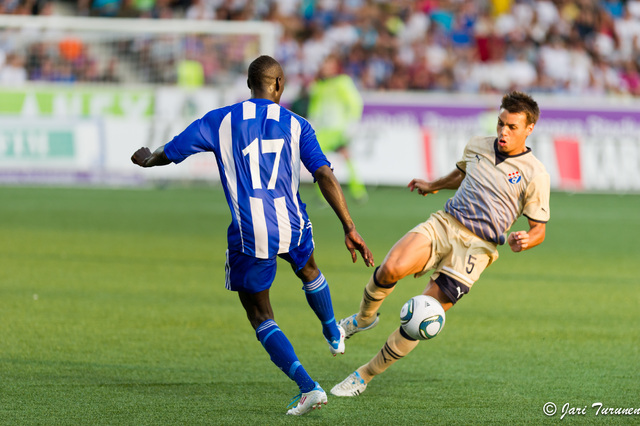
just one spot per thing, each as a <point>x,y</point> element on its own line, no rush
<point>308,401</point>
<point>353,385</point>
<point>337,346</point>
<point>350,325</point>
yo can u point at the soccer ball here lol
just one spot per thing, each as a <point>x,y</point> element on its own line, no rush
<point>422,317</point>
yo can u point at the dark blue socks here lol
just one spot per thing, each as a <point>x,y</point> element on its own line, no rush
<point>319,298</point>
<point>282,354</point>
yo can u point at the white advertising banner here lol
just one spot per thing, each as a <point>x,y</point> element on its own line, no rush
<point>88,136</point>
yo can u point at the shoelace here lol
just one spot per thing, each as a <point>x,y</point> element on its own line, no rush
<point>357,378</point>
<point>294,400</point>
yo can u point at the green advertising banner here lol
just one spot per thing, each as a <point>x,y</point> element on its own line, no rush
<point>39,146</point>
<point>20,144</point>
<point>76,102</point>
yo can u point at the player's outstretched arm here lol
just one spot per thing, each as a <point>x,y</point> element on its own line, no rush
<point>145,158</point>
<point>450,181</point>
<point>332,192</point>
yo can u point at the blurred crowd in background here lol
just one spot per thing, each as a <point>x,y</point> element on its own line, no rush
<point>585,47</point>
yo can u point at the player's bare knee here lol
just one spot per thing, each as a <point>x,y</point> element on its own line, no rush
<point>394,269</point>
<point>389,273</point>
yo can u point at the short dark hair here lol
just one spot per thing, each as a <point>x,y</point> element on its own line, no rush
<point>258,69</point>
<point>516,102</point>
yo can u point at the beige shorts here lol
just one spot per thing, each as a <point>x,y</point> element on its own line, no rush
<point>455,250</point>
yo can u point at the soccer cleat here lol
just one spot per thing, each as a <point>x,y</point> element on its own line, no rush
<point>308,401</point>
<point>353,385</point>
<point>350,325</point>
<point>337,346</point>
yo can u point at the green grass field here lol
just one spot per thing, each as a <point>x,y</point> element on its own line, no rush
<point>113,311</point>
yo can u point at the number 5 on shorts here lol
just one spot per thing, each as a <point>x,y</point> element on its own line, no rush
<point>471,262</point>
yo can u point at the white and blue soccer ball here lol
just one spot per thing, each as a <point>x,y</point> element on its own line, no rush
<point>422,317</point>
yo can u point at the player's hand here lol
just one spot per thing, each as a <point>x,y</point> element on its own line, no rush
<point>354,242</point>
<point>140,156</point>
<point>422,186</point>
<point>518,241</point>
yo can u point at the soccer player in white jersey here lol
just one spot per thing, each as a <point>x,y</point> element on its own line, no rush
<point>498,179</point>
<point>259,146</point>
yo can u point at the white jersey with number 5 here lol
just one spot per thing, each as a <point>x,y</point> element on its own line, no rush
<point>497,189</point>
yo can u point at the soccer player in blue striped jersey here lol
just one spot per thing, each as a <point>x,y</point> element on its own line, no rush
<point>498,179</point>
<point>259,147</point>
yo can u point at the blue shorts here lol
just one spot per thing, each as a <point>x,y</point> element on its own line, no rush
<point>252,275</point>
<point>453,288</point>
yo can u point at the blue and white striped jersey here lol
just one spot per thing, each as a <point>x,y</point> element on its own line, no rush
<point>258,147</point>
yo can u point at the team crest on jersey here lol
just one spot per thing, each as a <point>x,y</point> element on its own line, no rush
<point>514,177</point>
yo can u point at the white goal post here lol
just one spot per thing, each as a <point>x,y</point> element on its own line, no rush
<point>265,30</point>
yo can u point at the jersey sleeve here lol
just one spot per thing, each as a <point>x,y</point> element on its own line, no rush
<point>311,154</point>
<point>536,205</point>
<point>462,163</point>
<point>195,138</point>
